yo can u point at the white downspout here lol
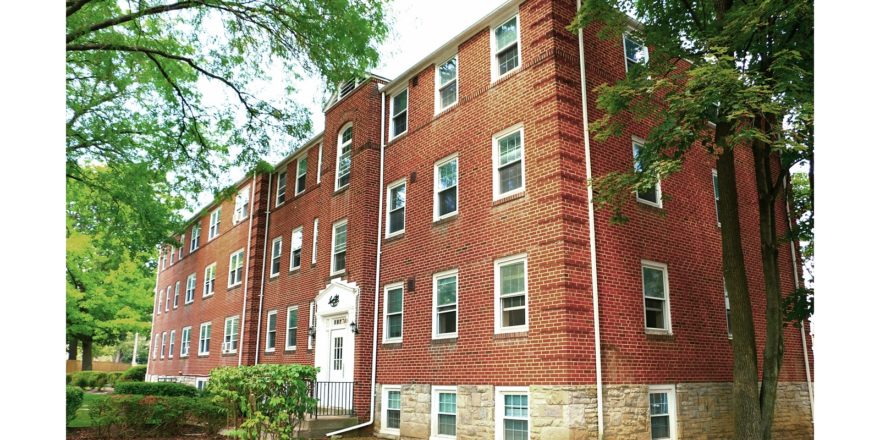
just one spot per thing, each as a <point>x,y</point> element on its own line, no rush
<point>376,291</point>
<point>263,271</point>
<point>594,276</point>
<point>797,285</point>
<point>247,264</point>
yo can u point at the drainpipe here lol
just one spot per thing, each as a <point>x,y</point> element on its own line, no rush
<point>594,276</point>
<point>247,266</point>
<point>263,270</point>
<point>797,285</point>
<point>378,266</point>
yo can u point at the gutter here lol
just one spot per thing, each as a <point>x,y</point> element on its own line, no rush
<point>376,292</point>
<point>594,276</point>
<point>263,271</point>
<point>247,265</point>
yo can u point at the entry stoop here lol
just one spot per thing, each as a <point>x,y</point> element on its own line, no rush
<point>319,427</point>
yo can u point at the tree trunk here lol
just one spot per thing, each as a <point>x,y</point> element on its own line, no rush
<point>87,353</point>
<point>746,403</point>
<point>71,348</point>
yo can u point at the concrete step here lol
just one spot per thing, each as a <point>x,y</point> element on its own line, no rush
<point>320,426</point>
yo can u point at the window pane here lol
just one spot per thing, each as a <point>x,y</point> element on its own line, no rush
<point>395,326</point>
<point>396,221</point>
<point>634,50</point>
<point>649,195</point>
<point>448,94</point>
<point>448,70</point>
<point>447,403</point>
<point>446,290</point>
<point>398,197</point>
<point>510,177</point>
<point>659,427</point>
<point>513,278</point>
<point>448,174</point>
<point>400,102</point>
<point>446,321</point>
<point>394,418</point>
<point>659,403</point>
<point>505,34</point>
<point>445,424</point>
<point>394,400</point>
<point>653,282</point>
<point>297,240</point>
<point>400,123</point>
<point>654,316</point>
<point>339,262</point>
<point>516,430</point>
<point>448,201</point>
<point>513,301</point>
<point>516,405</point>
<point>508,60</point>
<point>395,300</point>
<point>346,135</point>
<point>513,318</point>
<point>509,148</point>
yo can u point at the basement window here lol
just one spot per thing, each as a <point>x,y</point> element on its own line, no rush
<point>661,402</point>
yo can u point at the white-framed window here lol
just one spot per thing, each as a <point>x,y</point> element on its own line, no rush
<point>292,322</point>
<point>180,249</point>
<point>390,409</point>
<point>155,345</point>
<point>167,299</point>
<point>315,242</point>
<point>655,288</point>
<point>302,168</point>
<point>162,352</point>
<point>176,294</point>
<point>340,242</point>
<point>634,51</point>
<point>190,292</point>
<point>214,224</point>
<point>210,280</point>
<point>399,106</point>
<point>311,323</point>
<point>201,383</point>
<point>296,244</point>
<point>445,305</point>
<point>447,84</point>
<point>511,294</point>
<point>661,403</point>
<point>396,209</point>
<point>281,188</point>
<point>320,163</point>
<point>241,205</point>
<point>275,266</point>
<point>230,335</point>
<point>512,413</point>
<point>446,187</point>
<point>650,196</point>
<point>444,411</point>
<point>204,338</point>
<point>163,258</point>
<point>184,341</point>
<point>171,257</point>
<point>194,236</point>
<point>727,310</point>
<point>171,345</point>
<point>271,330</point>
<point>236,267</point>
<point>159,301</point>
<point>508,162</point>
<point>393,313</point>
<point>506,51</point>
<point>343,156</point>
<point>717,196</point>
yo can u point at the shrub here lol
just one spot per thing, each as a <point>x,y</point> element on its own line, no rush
<point>113,377</point>
<point>69,378</point>
<point>273,399</point>
<point>136,373</point>
<point>84,379</point>
<point>155,389</point>
<point>100,380</point>
<point>150,416</point>
<point>74,401</point>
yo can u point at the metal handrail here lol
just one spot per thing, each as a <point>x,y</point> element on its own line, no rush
<point>334,398</point>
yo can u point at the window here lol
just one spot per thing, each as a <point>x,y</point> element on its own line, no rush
<point>634,51</point>
<point>171,344</point>
<point>159,303</point>
<point>176,294</point>
<point>396,208</point>
<point>511,413</point>
<point>194,237</point>
<point>271,323</point>
<point>343,157</point>
<point>446,188</point>
<point>302,167</point>
<point>315,242</point>
<point>505,47</point>
<point>447,84</point>
<point>201,383</point>
<point>391,409</point>
<point>727,311</point>
<point>180,249</point>
<point>171,257</point>
<point>167,299</point>
<point>163,258</point>
<point>511,294</point>
<point>340,239</point>
<point>290,340</point>
<point>210,276</point>
<point>162,352</point>
<point>281,190</point>
<point>236,264</point>
<point>445,322</point>
<point>398,113</point>
<point>320,162</point>
<point>241,205</point>
<point>275,268</point>
<point>662,406</point>
<point>184,341</point>
<point>296,244</point>
<point>190,292</point>
<point>230,335</point>
<point>214,225</point>
<point>204,338</point>
<point>155,345</point>
<point>393,313</point>
<point>650,196</point>
<point>655,287</point>
<point>443,411</point>
<point>508,161</point>
<point>717,196</point>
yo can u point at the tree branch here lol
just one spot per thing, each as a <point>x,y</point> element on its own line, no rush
<point>75,5</point>
<point>133,16</point>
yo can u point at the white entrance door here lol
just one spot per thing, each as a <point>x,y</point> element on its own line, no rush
<point>341,353</point>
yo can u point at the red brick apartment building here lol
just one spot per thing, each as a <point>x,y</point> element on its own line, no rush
<point>431,253</point>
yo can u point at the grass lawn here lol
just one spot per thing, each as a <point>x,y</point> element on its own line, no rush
<point>82,419</point>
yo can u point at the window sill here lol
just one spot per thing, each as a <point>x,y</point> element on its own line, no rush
<point>649,204</point>
<point>204,355</point>
<point>446,340</point>
<point>294,270</point>
<point>394,344</point>
<point>340,190</point>
<point>509,198</point>
<point>233,287</point>
<point>659,335</point>
<point>511,335</point>
<point>336,275</point>
<point>229,354</point>
<point>274,277</point>
<point>498,78</point>
<point>445,220</point>
<point>290,349</point>
<point>210,295</point>
<point>395,237</point>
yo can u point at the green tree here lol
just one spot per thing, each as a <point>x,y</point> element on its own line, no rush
<point>747,67</point>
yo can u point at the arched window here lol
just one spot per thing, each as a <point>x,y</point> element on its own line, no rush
<point>343,156</point>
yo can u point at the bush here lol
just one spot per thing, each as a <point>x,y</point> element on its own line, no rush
<point>84,379</point>
<point>100,380</point>
<point>113,377</point>
<point>74,401</point>
<point>136,373</point>
<point>273,399</point>
<point>151,416</point>
<point>69,378</point>
<point>155,389</point>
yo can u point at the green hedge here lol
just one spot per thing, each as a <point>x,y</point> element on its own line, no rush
<point>74,401</point>
<point>89,379</point>
<point>155,389</point>
<point>136,373</point>
<point>135,416</point>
